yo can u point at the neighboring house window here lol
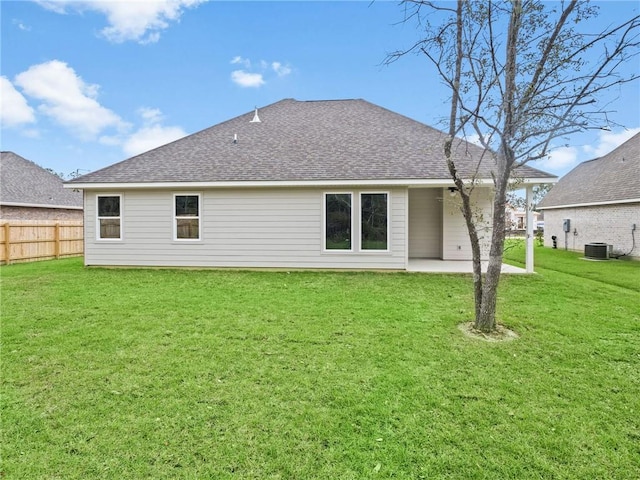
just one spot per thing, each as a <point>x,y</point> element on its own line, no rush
<point>338,221</point>
<point>109,217</point>
<point>374,214</point>
<point>187,217</point>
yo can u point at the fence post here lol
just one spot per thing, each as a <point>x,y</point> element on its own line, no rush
<point>7,243</point>
<point>57,239</point>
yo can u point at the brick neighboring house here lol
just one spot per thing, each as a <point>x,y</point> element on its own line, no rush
<point>29,192</point>
<point>601,200</point>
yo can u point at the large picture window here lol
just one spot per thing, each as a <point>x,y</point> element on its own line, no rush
<point>374,221</point>
<point>338,221</point>
<point>187,217</point>
<point>109,217</point>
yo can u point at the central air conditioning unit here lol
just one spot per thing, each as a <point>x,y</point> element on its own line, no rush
<point>597,251</point>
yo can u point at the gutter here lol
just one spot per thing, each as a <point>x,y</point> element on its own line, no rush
<point>37,205</point>
<point>590,204</point>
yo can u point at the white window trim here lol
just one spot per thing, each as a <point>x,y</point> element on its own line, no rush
<point>175,217</point>
<point>378,192</point>
<point>98,217</point>
<point>324,223</point>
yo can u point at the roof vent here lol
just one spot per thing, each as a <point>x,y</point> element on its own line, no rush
<point>256,119</point>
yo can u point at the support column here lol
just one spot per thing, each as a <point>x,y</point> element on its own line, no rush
<point>529,244</point>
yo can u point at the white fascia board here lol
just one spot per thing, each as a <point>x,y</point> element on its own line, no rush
<point>37,205</point>
<point>277,183</point>
<point>408,182</point>
<point>591,204</point>
<point>537,181</point>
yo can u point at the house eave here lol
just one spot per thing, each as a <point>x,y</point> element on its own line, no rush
<point>590,204</point>
<point>537,181</point>
<point>411,183</point>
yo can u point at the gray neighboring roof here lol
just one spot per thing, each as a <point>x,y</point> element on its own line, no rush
<point>613,178</point>
<point>303,141</point>
<point>24,183</point>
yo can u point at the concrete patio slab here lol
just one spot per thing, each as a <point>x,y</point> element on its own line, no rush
<point>453,266</point>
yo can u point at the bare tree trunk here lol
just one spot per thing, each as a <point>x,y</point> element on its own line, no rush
<point>467,211</point>
<point>486,319</point>
<point>478,293</point>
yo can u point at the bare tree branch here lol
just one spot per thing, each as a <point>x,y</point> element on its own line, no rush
<point>521,73</point>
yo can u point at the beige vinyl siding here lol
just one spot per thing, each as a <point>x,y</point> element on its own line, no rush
<point>425,223</point>
<point>246,228</point>
<point>456,244</point>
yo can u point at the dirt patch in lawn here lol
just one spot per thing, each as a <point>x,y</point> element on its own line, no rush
<point>501,334</point>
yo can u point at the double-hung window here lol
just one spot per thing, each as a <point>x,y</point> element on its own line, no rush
<point>109,217</point>
<point>186,216</point>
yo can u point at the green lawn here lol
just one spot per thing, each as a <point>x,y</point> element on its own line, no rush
<point>310,375</point>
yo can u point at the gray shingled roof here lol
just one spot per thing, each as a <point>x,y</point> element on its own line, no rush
<point>24,182</point>
<point>614,177</point>
<point>302,141</point>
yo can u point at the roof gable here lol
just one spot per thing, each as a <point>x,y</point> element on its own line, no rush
<point>25,183</point>
<point>613,178</point>
<point>303,141</point>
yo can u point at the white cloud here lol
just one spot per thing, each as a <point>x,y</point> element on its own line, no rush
<point>15,110</point>
<point>280,69</point>
<point>57,6</point>
<point>152,134</point>
<point>560,158</point>
<point>21,25</point>
<point>72,103</point>
<point>150,115</point>
<point>474,138</point>
<point>238,60</point>
<point>140,21</point>
<point>608,141</point>
<point>246,79</point>
<point>67,99</point>
<point>150,137</point>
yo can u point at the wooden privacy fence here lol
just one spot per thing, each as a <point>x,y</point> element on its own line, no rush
<point>27,241</point>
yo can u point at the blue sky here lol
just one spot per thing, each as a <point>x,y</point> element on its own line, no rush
<point>89,83</point>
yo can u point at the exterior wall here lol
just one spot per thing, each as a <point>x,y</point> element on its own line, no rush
<point>33,213</point>
<point>280,228</point>
<point>606,223</point>
<point>517,220</point>
<point>425,223</point>
<point>455,237</point>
